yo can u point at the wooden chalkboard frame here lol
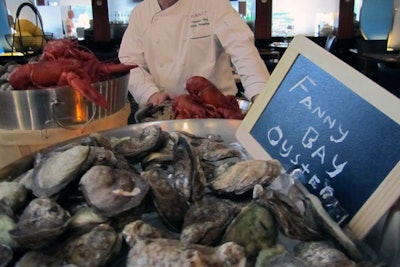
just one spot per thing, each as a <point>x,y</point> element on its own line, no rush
<point>388,191</point>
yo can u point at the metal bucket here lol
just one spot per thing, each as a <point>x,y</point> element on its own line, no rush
<point>59,107</point>
<point>15,144</point>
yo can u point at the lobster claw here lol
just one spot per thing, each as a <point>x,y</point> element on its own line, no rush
<point>86,89</point>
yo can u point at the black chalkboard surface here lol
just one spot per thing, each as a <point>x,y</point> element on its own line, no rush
<point>338,127</point>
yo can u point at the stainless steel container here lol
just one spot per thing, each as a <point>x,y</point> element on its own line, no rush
<point>59,107</point>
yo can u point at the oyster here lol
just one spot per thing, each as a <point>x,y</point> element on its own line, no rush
<point>169,252</point>
<point>211,150</point>
<point>97,140</point>
<point>112,191</point>
<point>14,194</point>
<point>155,113</point>
<point>94,248</point>
<point>107,157</point>
<point>217,157</point>
<point>161,158</point>
<point>104,156</point>
<point>170,204</point>
<point>321,254</point>
<point>6,209</point>
<point>291,221</point>
<point>139,230</point>
<point>244,175</point>
<point>206,220</point>
<point>48,257</point>
<point>150,139</point>
<point>325,224</point>
<point>85,219</point>
<point>188,175</point>
<point>57,171</point>
<point>44,154</point>
<point>6,255</point>
<point>278,257</point>
<point>254,229</point>
<point>26,179</point>
<point>41,222</point>
<point>214,169</point>
<point>7,224</point>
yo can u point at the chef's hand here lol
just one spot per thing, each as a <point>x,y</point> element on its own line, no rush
<point>158,98</point>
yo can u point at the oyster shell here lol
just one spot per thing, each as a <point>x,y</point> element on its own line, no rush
<point>57,171</point>
<point>94,248</point>
<point>290,219</point>
<point>112,191</point>
<point>107,157</point>
<point>170,204</point>
<point>41,258</point>
<point>6,209</point>
<point>7,224</point>
<point>140,230</point>
<point>26,179</point>
<point>325,224</point>
<point>97,140</point>
<point>244,175</point>
<point>169,252</point>
<point>155,113</point>
<point>85,219</point>
<point>278,257</point>
<point>14,194</point>
<point>41,222</point>
<point>211,150</point>
<point>6,255</point>
<point>216,168</point>
<point>322,254</point>
<point>254,229</point>
<point>149,139</point>
<point>206,220</point>
<point>188,175</point>
<point>161,158</point>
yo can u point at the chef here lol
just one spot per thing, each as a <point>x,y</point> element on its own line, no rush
<point>172,40</point>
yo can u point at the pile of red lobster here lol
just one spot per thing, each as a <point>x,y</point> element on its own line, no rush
<point>205,101</point>
<point>64,62</point>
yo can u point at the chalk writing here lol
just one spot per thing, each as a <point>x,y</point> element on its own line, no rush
<point>311,136</point>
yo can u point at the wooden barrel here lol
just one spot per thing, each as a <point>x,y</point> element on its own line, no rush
<point>15,144</point>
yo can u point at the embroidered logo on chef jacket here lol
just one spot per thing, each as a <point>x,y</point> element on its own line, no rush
<point>199,25</point>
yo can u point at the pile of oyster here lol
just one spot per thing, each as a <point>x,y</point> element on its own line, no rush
<point>161,198</point>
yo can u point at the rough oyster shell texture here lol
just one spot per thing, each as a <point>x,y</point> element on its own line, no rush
<point>170,252</point>
<point>112,191</point>
<point>150,188</point>
<point>42,221</point>
<point>243,176</point>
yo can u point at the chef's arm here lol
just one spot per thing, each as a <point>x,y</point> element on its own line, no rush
<point>238,41</point>
<point>141,84</point>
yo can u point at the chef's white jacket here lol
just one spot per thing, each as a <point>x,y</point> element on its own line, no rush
<point>192,37</point>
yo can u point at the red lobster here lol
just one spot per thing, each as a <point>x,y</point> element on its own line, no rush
<point>214,103</point>
<point>64,63</point>
<point>185,107</point>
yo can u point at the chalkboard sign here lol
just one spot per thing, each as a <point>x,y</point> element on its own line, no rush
<point>338,127</point>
